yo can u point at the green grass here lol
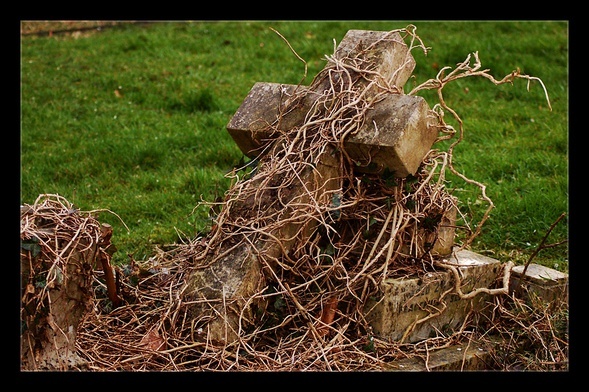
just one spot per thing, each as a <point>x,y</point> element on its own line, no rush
<point>132,119</point>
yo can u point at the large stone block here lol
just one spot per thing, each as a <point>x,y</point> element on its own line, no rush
<point>416,308</point>
<point>397,133</point>
<point>390,57</point>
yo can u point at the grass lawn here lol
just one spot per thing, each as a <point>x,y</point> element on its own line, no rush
<point>132,119</point>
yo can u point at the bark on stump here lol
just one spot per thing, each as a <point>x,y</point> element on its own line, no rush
<point>56,292</point>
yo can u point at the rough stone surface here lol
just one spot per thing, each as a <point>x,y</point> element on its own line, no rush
<point>225,286</point>
<point>446,232</point>
<point>404,302</point>
<point>546,283</point>
<point>470,356</point>
<point>386,49</point>
<point>398,132</point>
<point>250,125</point>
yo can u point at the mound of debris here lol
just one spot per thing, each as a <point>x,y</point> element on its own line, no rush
<point>334,249</point>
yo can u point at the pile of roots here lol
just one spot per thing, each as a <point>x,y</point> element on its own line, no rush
<point>377,227</point>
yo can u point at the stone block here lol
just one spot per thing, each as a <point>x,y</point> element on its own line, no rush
<point>254,123</point>
<point>441,235</point>
<point>225,286</point>
<point>548,284</point>
<point>446,233</point>
<point>416,308</point>
<point>388,53</point>
<point>397,133</point>
<point>469,356</point>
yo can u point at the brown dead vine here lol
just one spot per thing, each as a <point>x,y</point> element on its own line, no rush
<point>373,228</point>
